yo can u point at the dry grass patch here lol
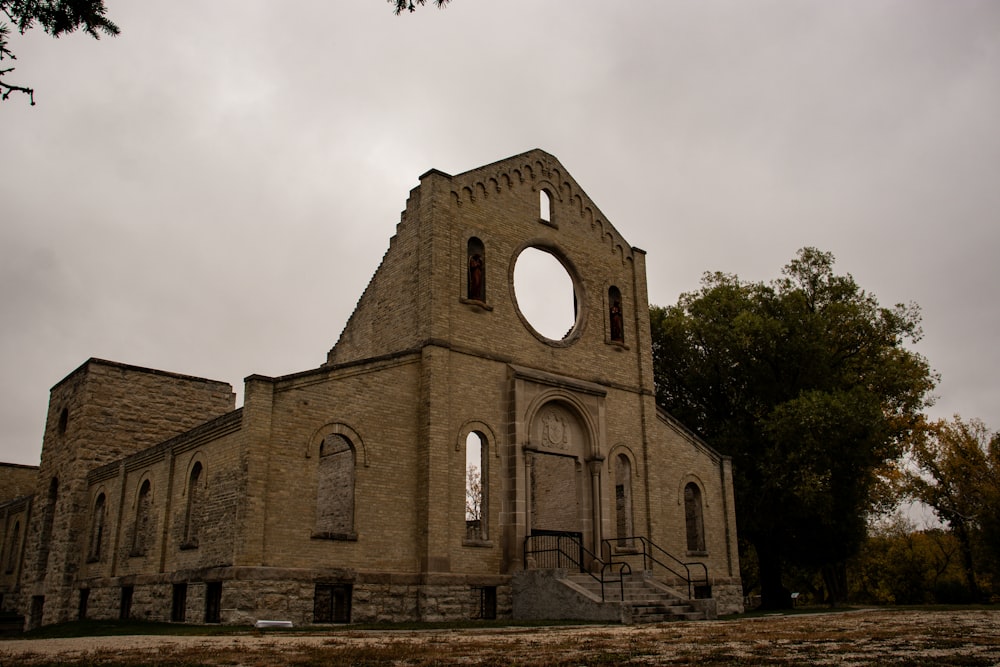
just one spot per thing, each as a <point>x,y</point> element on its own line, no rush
<point>966,638</point>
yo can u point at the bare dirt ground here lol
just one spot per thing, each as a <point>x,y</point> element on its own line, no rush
<point>867,637</point>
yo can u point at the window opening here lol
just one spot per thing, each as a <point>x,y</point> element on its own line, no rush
<point>476,485</point>
<point>545,205</point>
<point>694,518</point>
<point>546,296</point>
<point>48,516</point>
<point>484,601</point>
<point>81,610</point>
<point>213,602</point>
<point>335,488</point>
<point>178,605</point>
<point>623,500</point>
<point>332,603</point>
<point>12,547</point>
<point>192,514</point>
<point>140,536</point>
<point>616,321</point>
<point>63,421</point>
<point>125,606</point>
<point>97,529</point>
<point>476,278</point>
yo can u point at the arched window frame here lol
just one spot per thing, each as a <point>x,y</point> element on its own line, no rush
<point>477,535</point>
<point>142,528</point>
<point>475,275</point>
<point>616,316</point>
<point>98,524</point>
<point>323,530</point>
<point>193,506</point>
<point>694,518</point>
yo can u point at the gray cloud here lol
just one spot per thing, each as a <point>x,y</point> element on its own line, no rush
<point>210,192</point>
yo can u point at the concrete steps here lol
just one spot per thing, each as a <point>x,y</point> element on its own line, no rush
<point>645,602</point>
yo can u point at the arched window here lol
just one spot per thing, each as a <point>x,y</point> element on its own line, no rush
<point>476,486</point>
<point>545,205</point>
<point>694,518</point>
<point>616,321</point>
<point>12,547</point>
<point>476,278</point>
<point>192,512</point>
<point>48,516</point>
<point>97,529</point>
<point>335,488</point>
<point>143,510</point>
<point>623,499</point>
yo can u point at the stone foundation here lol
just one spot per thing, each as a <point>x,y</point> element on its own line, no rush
<point>251,594</point>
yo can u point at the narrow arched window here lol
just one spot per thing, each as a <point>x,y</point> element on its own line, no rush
<point>12,547</point>
<point>623,499</point>
<point>335,488</point>
<point>545,205</point>
<point>694,518</point>
<point>192,512</point>
<point>616,321</point>
<point>140,534</point>
<point>476,278</point>
<point>476,486</point>
<point>97,528</point>
<point>48,517</point>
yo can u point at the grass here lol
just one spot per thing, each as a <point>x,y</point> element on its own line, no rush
<point>907,637</point>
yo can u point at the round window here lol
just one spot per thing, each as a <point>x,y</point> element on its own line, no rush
<point>545,294</point>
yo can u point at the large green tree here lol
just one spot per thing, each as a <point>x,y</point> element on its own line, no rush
<point>56,17</point>
<point>958,475</point>
<point>805,381</point>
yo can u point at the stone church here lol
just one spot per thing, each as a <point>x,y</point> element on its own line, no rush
<point>448,460</point>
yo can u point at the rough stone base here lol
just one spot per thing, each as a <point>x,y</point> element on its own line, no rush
<point>252,594</point>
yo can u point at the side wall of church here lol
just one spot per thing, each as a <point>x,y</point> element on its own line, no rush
<point>98,414</point>
<point>17,480</point>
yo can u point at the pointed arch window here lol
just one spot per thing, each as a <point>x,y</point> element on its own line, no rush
<point>476,275</point>
<point>694,518</point>
<point>143,511</point>
<point>193,509</point>
<point>616,320</point>
<point>97,529</point>
<point>335,489</point>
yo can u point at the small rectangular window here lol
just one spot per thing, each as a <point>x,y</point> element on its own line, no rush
<point>125,607</point>
<point>178,606</point>
<point>213,602</point>
<point>485,600</point>
<point>332,603</point>
<point>81,610</point>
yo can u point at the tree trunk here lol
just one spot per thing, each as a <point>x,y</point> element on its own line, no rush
<point>773,594</point>
<point>835,580</point>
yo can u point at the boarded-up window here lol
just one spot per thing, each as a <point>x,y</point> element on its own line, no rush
<point>335,488</point>
<point>623,499</point>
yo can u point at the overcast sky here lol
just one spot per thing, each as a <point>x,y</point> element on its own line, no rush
<point>210,192</point>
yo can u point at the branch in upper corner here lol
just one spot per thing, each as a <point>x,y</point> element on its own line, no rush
<point>7,88</point>
<point>411,5</point>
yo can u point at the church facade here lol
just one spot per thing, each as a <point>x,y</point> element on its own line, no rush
<point>413,474</point>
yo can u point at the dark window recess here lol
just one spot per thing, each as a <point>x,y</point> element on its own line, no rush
<point>486,597</point>
<point>332,603</point>
<point>213,602</point>
<point>125,608</point>
<point>178,606</point>
<point>81,610</point>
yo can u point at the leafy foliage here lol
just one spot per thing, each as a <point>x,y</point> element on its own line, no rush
<point>806,383</point>
<point>958,475</point>
<point>411,5</point>
<point>56,17</point>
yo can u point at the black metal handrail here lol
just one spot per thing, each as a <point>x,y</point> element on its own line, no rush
<point>649,548</point>
<point>573,556</point>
